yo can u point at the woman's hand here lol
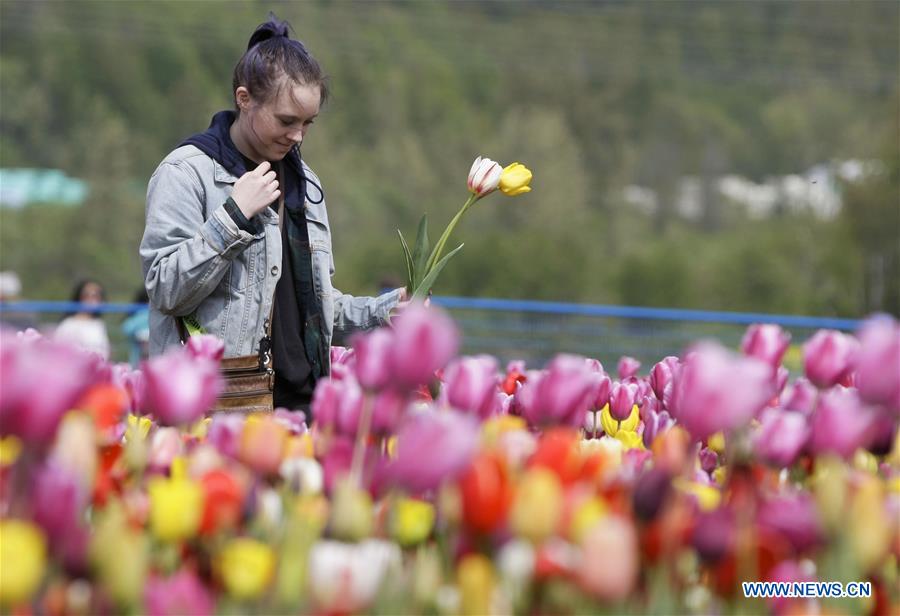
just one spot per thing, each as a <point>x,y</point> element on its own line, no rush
<point>405,302</point>
<point>256,189</point>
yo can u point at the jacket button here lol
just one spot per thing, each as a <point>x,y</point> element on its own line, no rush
<point>274,270</point>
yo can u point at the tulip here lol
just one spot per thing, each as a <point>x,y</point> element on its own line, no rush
<point>788,571</point>
<point>612,426</point>
<point>715,534</point>
<point>41,380</point>
<point>484,176</point>
<point>58,501</point>
<point>23,559</point>
<point>515,180</point>
<point>766,342</point>
<point>411,521</point>
<point>476,579</point>
<point>165,446</point>
<point>119,555</point>
<point>246,567</point>
<point>223,501</point>
<point>225,432</point>
<point>537,508</point>
<point>433,447</point>
<point>180,389</point>
<point>651,491</point>
<point>351,514</point>
<point>622,400</point>
<point>471,384</point>
<point>387,412</point>
<point>716,390</point>
<point>179,594</point>
<point>263,444</point>
<point>293,421</point>
<point>654,425</point>
<point>609,563</point>
<point>877,362</point>
<point>372,350</point>
<point>561,394</point>
<point>794,517</point>
<point>604,386</point>
<point>628,367</point>
<point>781,436</point>
<point>345,578</point>
<point>661,375</point>
<point>303,475</point>
<point>826,357</point>
<point>205,346</point>
<point>75,448</point>
<point>840,423</point>
<point>176,508</point>
<point>425,339</point>
<point>516,562</point>
<point>800,396</point>
<point>870,528</point>
<point>486,493</point>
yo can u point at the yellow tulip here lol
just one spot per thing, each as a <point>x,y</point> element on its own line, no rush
<point>716,442</point>
<point>352,517</point>
<point>412,521</point>
<point>176,506</point>
<point>829,486</point>
<point>515,179</point>
<point>586,516</point>
<point>612,426</point>
<point>707,496</point>
<point>138,427</point>
<point>475,577</point>
<point>247,567</point>
<point>867,524</point>
<point>10,448</point>
<point>501,424</point>
<point>23,556</point>
<point>631,440</point>
<point>537,507</point>
<point>865,461</point>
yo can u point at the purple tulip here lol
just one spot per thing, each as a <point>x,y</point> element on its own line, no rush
<point>709,460</point>
<point>181,593</point>
<point>40,381</point>
<point>372,350</point>
<point>58,500</point>
<point>425,339</point>
<point>800,396</point>
<point>781,436</point>
<point>559,395</point>
<point>433,447</point>
<point>661,375</point>
<point>621,400</point>
<point>715,534</point>
<point>206,346</point>
<point>716,390</point>
<point>794,517</point>
<point>225,433</point>
<point>180,389</point>
<point>826,357</point>
<point>628,366</point>
<point>651,491</point>
<point>840,423</point>
<point>766,342</point>
<point>470,384</point>
<point>877,362</point>
<point>604,387</point>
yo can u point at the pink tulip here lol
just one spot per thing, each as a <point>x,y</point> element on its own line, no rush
<point>715,534</point>
<point>628,366</point>
<point>502,403</point>
<point>58,500</point>
<point>425,339</point>
<point>781,436</point>
<point>388,410</point>
<point>794,517</point>
<point>877,362</point>
<point>206,346</point>
<point>716,390</point>
<point>609,562</point>
<point>342,356</point>
<point>661,375</point>
<point>337,405</point>
<point>470,384</point>
<point>826,357</point>
<point>40,381</point>
<point>559,395</point>
<point>433,447</point>
<point>372,351</point>
<point>293,421</point>
<point>165,445</point>
<point>800,396</point>
<point>781,378</point>
<point>788,571</point>
<point>595,365</point>
<point>604,387</point>
<point>709,460</point>
<point>840,423</point>
<point>225,433</point>
<point>181,593</point>
<point>484,176</point>
<point>766,342</point>
<point>180,389</point>
<point>621,400</point>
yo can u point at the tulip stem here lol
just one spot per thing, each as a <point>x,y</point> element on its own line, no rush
<point>439,247</point>
<point>362,435</point>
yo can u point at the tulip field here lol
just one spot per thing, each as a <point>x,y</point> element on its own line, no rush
<point>424,482</point>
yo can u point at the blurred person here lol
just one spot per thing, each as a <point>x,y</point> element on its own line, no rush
<point>136,328</point>
<point>214,253</point>
<point>10,289</point>
<point>85,328</point>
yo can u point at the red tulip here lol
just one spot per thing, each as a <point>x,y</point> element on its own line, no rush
<point>222,501</point>
<point>766,342</point>
<point>486,493</point>
<point>470,384</point>
<point>425,339</point>
<point>179,389</point>
<point>826,357</point>
<point>877,362</point>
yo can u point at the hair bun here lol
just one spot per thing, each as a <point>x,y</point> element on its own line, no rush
<point>272,28</point>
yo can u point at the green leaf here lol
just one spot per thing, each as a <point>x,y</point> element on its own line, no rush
<point>426,284</point>
<point>409,261</point>
<point>420,253</point>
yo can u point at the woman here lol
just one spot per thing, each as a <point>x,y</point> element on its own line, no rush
<point>213,253</point>
<point>85,329</point>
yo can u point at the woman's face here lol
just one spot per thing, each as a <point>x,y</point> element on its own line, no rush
<point>269,130</point>
<point>91,293</point>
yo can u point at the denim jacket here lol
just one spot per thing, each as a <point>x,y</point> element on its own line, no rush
<point>197,260</point>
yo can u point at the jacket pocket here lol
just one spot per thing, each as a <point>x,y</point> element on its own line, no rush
<point>247,269</point>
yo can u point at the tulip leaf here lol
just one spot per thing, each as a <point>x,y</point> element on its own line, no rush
<point>420,252</point>
<point>426,284</point>
<point>409,261</point>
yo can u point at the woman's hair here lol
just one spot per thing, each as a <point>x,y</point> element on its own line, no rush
<point>271,54</point>
<point>78,289</point>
